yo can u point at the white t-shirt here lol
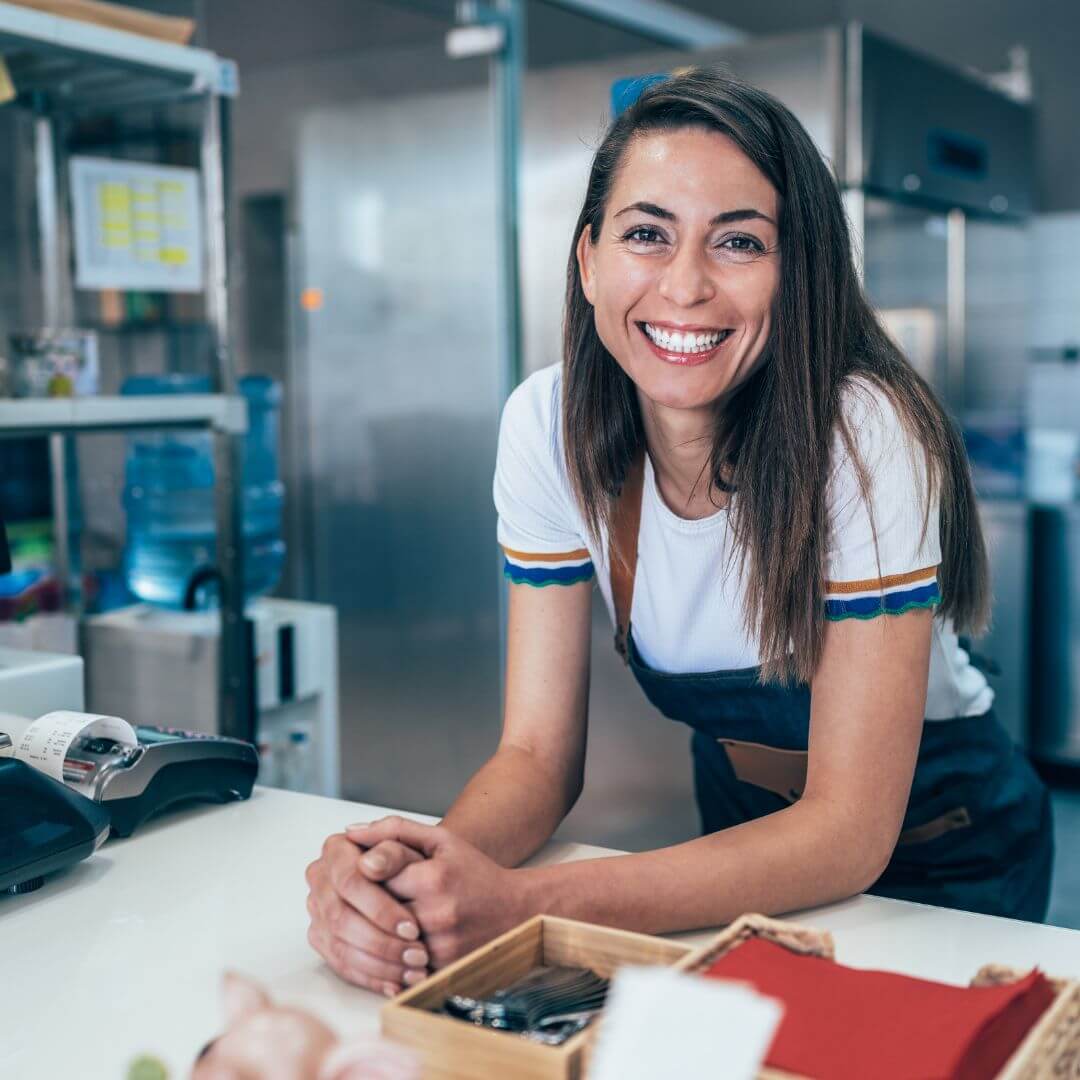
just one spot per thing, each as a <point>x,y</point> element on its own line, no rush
<point>687,613</point>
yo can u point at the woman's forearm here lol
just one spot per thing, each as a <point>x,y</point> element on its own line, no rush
<point>511,806</point>
<point>800,857</point>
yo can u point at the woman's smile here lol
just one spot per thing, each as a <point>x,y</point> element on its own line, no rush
<point>685,346</point>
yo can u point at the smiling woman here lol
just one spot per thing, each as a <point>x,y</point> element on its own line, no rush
<point>779,516</point>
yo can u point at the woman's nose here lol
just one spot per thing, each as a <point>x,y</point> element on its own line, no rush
<point>686,280</point>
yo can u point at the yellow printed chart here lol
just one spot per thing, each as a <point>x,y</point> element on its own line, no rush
<point>136,226</point>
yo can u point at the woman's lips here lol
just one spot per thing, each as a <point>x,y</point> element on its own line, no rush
<point>683,359</point>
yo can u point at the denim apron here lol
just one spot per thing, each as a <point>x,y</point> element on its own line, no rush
<point>978,832</point>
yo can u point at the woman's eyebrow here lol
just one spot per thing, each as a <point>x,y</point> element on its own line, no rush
<point>744,214</point>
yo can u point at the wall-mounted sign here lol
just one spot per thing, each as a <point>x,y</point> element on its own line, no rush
<point>136,226</point>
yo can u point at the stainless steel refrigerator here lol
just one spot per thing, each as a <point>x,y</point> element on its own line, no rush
<point>398,380</point>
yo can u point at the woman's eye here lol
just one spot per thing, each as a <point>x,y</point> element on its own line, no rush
<point>644,234</point>
<point>743,245</point>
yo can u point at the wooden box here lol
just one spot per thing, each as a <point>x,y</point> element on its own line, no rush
<point>1050,1050</point>
<point>455,1050</point>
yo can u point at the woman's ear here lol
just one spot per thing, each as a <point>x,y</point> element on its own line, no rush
<point>586,260</point>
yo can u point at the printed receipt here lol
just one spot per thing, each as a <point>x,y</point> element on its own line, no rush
<point>44,743</point>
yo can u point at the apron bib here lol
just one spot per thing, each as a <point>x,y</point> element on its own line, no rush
<point>978,832</point>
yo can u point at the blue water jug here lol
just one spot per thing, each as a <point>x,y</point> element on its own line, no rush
<point>170,500</point>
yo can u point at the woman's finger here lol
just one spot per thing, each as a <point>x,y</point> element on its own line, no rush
<point>423,838</point>
<point>342,922</point>
<point>371,900</point>
<point>348,963</point>
<point>425,878</point>
<point>387,859</point>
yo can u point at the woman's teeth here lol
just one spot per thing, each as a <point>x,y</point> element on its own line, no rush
<point>673,341</point>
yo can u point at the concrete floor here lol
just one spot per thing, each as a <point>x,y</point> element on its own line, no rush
<point>638,788</point>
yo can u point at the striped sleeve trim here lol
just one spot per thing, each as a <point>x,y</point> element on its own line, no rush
<point>892,595</point>
<point>547,568</point>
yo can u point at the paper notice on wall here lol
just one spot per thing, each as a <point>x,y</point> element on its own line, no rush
<point>44,743</point>
<point>136,226</point>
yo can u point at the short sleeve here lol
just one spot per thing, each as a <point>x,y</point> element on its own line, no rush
<point>884,550</point>
<point>539,528</point>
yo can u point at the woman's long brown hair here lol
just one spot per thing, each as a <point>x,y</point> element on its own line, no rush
<point>773,436</point>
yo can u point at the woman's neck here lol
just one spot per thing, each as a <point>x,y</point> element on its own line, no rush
<point>679,442</point>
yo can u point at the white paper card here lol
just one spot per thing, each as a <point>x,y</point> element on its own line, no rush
<point>660,1023</point>
<point>45,742</point>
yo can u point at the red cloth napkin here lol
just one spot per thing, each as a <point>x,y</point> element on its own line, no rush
<point>844,1024</point>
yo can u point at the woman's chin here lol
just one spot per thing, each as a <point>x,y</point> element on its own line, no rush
<point>680,388</point>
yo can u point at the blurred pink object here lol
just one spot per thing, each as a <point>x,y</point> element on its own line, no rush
<point>264,1041</point>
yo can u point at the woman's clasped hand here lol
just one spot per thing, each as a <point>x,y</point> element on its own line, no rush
<point>392,900</point>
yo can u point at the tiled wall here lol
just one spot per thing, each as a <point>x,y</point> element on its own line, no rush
<point>998,291</point>
<point>1054,319</point>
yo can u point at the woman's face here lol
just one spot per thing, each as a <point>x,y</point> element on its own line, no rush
<point>683,275</point>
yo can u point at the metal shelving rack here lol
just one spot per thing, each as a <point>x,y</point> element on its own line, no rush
<point>60,67</point>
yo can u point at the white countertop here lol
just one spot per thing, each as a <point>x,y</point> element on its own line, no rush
<point>123,954</point>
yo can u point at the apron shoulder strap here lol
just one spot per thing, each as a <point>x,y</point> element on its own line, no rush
<point>623,549</point>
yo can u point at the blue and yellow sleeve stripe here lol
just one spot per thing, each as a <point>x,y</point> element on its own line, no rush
<point>892,595</point>
<point>547,568</point>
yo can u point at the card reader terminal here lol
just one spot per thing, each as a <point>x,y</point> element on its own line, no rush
<point>167,767</point>
<point>44,826</point>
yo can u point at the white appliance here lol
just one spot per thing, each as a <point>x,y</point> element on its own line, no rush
<point>155,666</point>
<point>35,683</point>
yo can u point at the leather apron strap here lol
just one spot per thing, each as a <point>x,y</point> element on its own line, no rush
<point>783,772</point>
<point>623,549</point>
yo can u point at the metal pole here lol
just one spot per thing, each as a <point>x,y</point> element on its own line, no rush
<point>237,690</point>
<point>855,209</point>
<point>212,153</point>
<point>48,216</point>
<point>49,209</point>
<point>508,73</point>
<point>508,68</point>
<point>956,307</point>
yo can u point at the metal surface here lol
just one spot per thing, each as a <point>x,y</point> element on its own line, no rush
<point>212,161</point>
<point>934,134</point>
<point>668,24</point>
<point>955,308</point>
<point>507,75</point>
<point>71,64</point>
<point>237,671</point>
<point>48,222</point>
<point>851,170</point>
<point>238,665</point>
<point>55,288</point>
<point>1055,638</point>
<point>43,416</point>
<point>403,361</point>
<point>855,208</point>
<point>1006,529</point>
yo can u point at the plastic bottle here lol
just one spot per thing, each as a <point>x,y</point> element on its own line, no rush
<point>169,497</point>
<point>297,762</point>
